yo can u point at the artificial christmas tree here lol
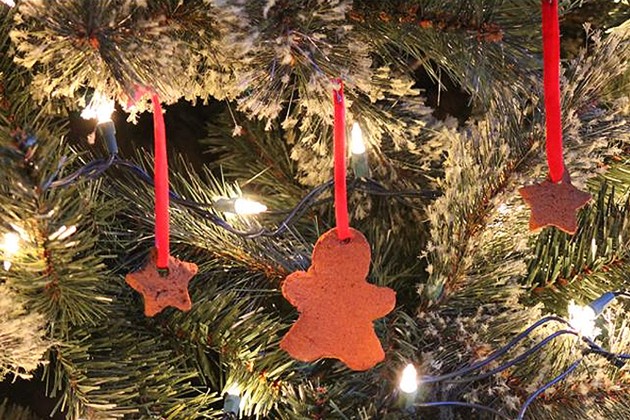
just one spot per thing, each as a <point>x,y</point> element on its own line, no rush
<point>491,320</point>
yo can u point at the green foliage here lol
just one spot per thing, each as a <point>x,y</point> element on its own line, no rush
<point>601,241</point>
<point>22,342</point>
<point>493,43</point>
<point>113,46</point>
<point>146,377</point>
<point>450,197</point>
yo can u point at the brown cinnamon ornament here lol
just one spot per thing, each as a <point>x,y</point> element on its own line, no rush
<point>337,305</point>
<point>554,204</point>
<point>162,290</point>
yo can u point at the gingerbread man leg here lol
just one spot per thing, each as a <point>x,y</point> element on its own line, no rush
<point>302,340</point>
<point>370,354</point>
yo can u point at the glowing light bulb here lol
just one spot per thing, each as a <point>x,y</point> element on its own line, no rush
<point>11,243</point>
<point>238,205</point>
<point>100,108</point>
<point>360,165</point>
<point>9,3</point>
<point>582,319</point>
<point>357,145</point>
<point>244,206</point>
<point>233,390</point>
<point>233,402</point>
<point>409,380</point>
<point>10,247</point>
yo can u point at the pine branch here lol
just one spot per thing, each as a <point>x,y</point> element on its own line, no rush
<point>57,267</point>
<point>588,84</point>
<point>22,336</point>
<point>273,256</point>
<point>231,337</point>
<point>54,269</point>
<point>148,378</point>
<point>588,136</point>
<point>253,156</point>
<point>114,46</point>
<point>488,304</point>
<point>602,241</point>
<point>475,175</point>
<point>406,13</point>
<point>443,42</point>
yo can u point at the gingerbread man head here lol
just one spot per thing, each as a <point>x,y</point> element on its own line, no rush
<point>348,258</point>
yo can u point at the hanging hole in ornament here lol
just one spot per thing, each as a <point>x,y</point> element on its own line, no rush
<point>345,241</point>
<point>163,272</point>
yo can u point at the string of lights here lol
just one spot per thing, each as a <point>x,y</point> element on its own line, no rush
<point>580,324</point>
<point>409,381</point>
<point>621,293</point>
<point>521,357</point>
<point>91,170</point>
<point>97,167</point>
<point>495,355</point>
<point>539,391</point>
<point>101,108</point>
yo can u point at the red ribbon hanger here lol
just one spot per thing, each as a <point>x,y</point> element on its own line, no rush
<point>341,194</point>
<point>161,185</point>
<point>551,76</point>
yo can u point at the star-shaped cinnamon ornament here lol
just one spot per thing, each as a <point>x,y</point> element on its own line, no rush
<point>554,204</point>
<point>161,290</point>
<point>337,305</point>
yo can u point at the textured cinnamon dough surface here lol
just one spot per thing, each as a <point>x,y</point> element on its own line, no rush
<point>160,291</point>
<point>337,305</point>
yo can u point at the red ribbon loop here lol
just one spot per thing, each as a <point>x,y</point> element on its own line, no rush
<point>551,76</point>
<point>161,185</point>
<point>341,195</point>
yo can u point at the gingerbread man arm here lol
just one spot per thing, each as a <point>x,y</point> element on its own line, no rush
<point>297,287</point>
<point>385,298</point>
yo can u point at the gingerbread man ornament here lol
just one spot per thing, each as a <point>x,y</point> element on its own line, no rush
<point>337,305</point>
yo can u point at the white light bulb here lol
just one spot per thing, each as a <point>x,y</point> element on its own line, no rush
<point>100,108</point>
<point>11,243</point>
<point>9,3</point>
<point>244,206</point>
<point>357,146</point>
<point>582,319</point>
<point>233,390</point>
<point>234,402</point>
<point>10,247</point>
<point>409,380</point>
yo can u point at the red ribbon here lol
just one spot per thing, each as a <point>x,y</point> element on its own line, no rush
<point>161,185</point>
<point>341,196</point>
<point>551,75</point>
